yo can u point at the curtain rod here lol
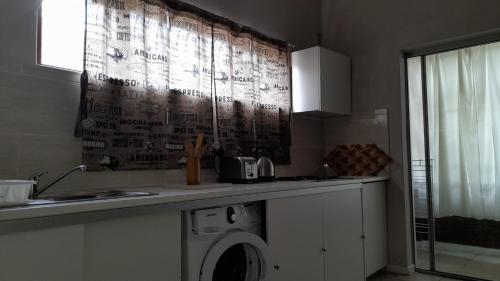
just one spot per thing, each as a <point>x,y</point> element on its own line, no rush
<point>238,28</point>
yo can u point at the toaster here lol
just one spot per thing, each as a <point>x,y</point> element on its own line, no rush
<point>238,170</point>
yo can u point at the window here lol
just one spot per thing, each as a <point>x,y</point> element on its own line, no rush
<point>60,34</point>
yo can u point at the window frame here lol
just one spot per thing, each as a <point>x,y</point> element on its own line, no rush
<point>39,36</point>
<point>422,51</point>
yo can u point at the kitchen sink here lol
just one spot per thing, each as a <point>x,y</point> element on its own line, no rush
<point>71,197</point>
<point>89,195</point>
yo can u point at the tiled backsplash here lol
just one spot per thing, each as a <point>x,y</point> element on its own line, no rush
<point>36,134</point>
<point>307,147</point>
<point>358,128</point>
<point>37,123</point>
<point>313,138</point>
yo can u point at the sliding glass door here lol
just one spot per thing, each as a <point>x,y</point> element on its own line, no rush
<point>454,132</point>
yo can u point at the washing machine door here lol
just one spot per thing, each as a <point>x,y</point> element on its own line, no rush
<point>239,256</point>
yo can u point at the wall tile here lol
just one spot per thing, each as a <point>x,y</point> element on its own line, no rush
<point>36,133</point>
<point>358,128</point>
<point>307,147</point>
<point>8,158</point>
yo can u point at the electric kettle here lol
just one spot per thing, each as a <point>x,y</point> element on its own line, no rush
<point>265,169</point>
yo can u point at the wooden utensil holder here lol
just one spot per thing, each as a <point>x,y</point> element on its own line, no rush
<point>193,171</point>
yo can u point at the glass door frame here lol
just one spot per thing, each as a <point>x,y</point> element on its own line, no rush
<point>422,52</point>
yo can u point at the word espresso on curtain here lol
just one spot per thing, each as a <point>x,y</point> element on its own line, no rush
<point>159,72</point>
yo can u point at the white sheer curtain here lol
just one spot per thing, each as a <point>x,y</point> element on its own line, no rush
<point>463,90</point>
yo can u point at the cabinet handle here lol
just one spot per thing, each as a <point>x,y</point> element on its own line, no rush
<point>277,267</point>
<point>323,250</point>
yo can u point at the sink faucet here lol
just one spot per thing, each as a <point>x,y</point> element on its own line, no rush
<point>36,190</point>
<point>324,169</point>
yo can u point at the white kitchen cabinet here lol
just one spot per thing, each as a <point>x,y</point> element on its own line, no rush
<point>295,238</point>
<point>344,236</point>
<point>50,254</point>
<point>321,81</point>
<point>375,226</point>
<point>136,248</point>
<point>316,237</point>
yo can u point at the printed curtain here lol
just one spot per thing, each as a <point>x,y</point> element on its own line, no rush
<point>161,72</point>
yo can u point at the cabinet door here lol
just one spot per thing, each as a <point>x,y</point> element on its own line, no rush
<point>306,94</point>
<point>375,226</point>
<point>335,82</point>
<point>295,238</point>
<point>134,248</point>
<point>51,254</point>
<point>343,236</point>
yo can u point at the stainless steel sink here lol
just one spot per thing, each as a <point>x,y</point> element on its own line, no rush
<point>89,195</point>
<point>75,197</point>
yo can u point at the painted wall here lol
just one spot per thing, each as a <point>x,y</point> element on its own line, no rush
<point>373,33</point>
<point>38,105</point>
<point>295,21</point>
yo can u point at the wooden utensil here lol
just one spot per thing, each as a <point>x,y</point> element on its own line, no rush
<point>193,170</point>
<point>202,150</point>
<point>189,148</point>
<point>199,142</point>
<point>193,159</point>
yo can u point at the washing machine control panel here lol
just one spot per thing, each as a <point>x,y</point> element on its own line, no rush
<point>221,219</point>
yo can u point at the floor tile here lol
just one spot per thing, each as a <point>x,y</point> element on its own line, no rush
<point>463,260</point>
<point>386,276</point>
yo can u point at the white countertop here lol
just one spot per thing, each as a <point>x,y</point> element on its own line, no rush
<point>178,193</point>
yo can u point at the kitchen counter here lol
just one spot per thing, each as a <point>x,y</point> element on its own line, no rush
<point>187,197</point>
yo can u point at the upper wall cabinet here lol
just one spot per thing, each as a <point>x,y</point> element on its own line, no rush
<point>321,82</point>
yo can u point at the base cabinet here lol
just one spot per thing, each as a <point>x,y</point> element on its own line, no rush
<point>337,235</point>
<point>316,237</point>
<point>50,254</point>
<point>343,236</point>
<point>135,248</point>
<point>375,226</point>
<point>289,221</point>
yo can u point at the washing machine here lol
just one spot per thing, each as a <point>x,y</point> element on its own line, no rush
<point>225,244</point>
